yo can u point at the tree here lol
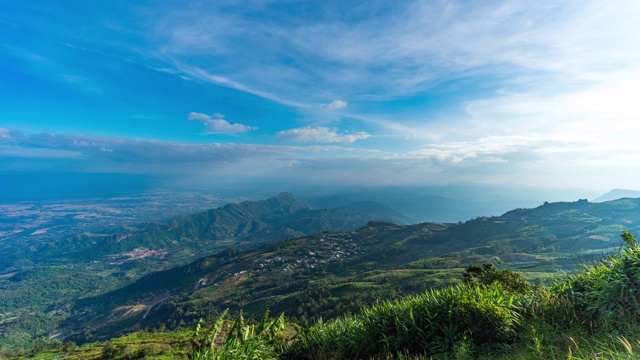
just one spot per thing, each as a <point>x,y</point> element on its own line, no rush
<point>487,274</point>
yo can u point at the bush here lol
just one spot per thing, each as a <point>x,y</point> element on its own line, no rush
<point>487,274</point>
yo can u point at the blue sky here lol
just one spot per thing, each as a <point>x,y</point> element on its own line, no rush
<point>360,92</point>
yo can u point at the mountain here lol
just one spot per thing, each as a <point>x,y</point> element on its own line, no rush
<point>248,224</point>
<point>618,194</point>
<point>328,274</point>
<point>44,274</point>
<point>450,203</point>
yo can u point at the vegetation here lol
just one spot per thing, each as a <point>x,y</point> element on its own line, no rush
<point>336,274</point>
<point>430,323</point>
<point>240,340</point>
<point>49,280</point>
<point>489,316</point>
<point>487,274</point>
<point>606,296</point>
<point>593,314</point>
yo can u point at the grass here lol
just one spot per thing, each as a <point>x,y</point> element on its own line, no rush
<point>592,315</point>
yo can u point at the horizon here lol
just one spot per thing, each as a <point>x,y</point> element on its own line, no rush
<point>322,93</point>
<point>60,186</point>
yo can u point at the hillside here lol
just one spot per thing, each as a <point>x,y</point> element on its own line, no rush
<point>39,287</point>
<point>328,274</point>
<point>247,224</point>
<point>491,314</point>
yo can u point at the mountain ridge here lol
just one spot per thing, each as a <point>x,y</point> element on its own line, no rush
<point>616,194</point>
<point>333,272</point>
<point>249,223</point>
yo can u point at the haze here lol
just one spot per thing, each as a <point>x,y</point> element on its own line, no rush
<point>324,92</point>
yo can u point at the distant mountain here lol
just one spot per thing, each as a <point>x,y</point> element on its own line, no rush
<point>618,194</point>
<point>248,224</point>
<point>327,274</point>
<point>377,211</point>
<point>450,203</point>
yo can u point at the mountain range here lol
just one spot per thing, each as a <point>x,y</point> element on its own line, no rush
<point>284,255</point>
<point>249,224</point>
<point>330,273</point>
<point>45,274</point>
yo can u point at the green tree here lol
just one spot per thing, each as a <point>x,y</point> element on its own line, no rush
<point>487,274</point>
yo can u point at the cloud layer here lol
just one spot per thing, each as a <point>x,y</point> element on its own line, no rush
<point>489,160</point>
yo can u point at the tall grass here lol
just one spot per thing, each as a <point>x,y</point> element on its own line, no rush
<point>431,323</point>
<point>239,340</point>
<point>606,295</point>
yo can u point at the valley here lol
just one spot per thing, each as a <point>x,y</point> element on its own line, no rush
<point>44,274</point>
<point>334,262</point>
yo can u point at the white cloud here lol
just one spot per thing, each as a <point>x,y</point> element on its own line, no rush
<point>218,125</point>
<point>603,116</point>
<point>320,134</point>
<point>204,75</point>
<point>335,105</point>
<point>5,134</point>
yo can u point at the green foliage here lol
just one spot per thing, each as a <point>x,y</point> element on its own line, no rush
<point>629,240</point>
<point>240,340</point>
<point>487,274</point>
<point>607,294</point>
<point>587,316</point>
<point>70,293</point>
<point>432,322</point>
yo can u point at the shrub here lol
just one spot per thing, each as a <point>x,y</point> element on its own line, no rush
<point>487,274</point>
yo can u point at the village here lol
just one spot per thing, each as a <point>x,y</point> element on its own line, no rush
<point>326,249</point>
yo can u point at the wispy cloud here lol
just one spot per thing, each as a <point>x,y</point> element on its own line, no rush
<point>218,125</point>
<point>148,151</point>
<point>320,134</point>
<point>417,44</point>
<point>335,105</point>
<point>8,135</point>
<point>202,74</point>
<point>601,115</point>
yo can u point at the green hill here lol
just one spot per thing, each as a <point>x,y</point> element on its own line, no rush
<point>35,296</point>
<point>492,314</point>
<point>247,224</point>
<point>329,274</point>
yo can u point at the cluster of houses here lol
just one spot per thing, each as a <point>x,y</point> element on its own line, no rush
<point>318,251</point>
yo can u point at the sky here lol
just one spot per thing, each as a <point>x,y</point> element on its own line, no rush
<point>537,93</point>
